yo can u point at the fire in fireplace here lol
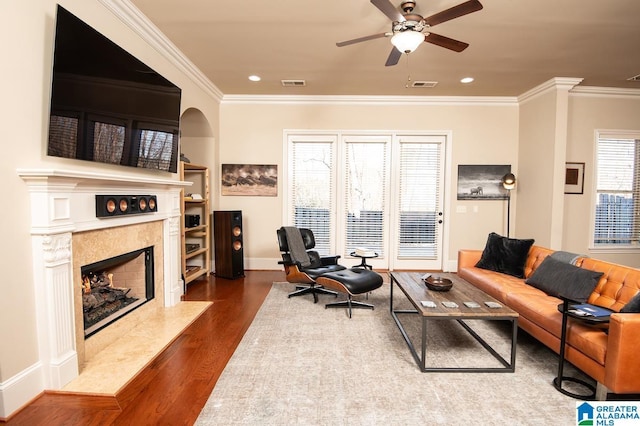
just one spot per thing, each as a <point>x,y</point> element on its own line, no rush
<point>113,287</point>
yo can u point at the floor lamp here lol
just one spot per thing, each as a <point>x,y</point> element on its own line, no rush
<point>508,182</point>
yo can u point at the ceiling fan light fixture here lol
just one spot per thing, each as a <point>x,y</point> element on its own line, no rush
<point>407,41</point>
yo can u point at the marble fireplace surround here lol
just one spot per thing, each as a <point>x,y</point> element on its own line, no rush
<point>63,219</point>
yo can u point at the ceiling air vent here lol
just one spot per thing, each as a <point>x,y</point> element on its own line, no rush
<point>293,83</point>
<point>634,78</point>
<point>424,84</point>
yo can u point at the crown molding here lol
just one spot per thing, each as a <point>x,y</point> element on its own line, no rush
<point>132,17</point>
<point>369,100</point>
<point>609,92</point>
<point>566,83</point>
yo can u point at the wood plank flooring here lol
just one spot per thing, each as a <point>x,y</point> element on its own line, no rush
<point>173,389</point>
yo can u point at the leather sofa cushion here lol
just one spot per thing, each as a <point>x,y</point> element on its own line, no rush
<point>542,310</point>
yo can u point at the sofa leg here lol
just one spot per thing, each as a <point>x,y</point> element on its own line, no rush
<point>601,392</point>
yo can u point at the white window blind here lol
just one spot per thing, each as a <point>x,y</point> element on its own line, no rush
<point>419,199</point>
<point>365,198</point>
<point>311,188</point>
<point>617,210</point>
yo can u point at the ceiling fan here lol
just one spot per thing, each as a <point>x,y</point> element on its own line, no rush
<point>408,29</point>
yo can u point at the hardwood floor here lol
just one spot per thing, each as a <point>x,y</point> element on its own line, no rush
<point>175,386</point>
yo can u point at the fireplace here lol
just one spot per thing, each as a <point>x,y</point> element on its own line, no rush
<point>67,235</point>
<point>114,287</point>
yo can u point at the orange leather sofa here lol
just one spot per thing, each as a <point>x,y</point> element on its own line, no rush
<point>613,358</point>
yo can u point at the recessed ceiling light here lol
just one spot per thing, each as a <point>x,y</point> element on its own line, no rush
<point>466,80</point>
<point>254,78</point>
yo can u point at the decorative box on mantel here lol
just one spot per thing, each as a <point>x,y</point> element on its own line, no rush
<point>63,203</point>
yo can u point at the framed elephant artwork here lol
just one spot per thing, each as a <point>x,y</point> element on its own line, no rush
<point>482,182</point>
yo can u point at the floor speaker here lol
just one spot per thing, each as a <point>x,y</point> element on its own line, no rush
<point>228,243</point>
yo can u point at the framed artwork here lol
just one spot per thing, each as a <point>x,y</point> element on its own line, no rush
<point>574,178</point>
<point>249,179</point>
<point>482,182</point>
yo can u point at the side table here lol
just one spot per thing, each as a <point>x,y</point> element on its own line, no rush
<point>363,260</point>
<point>564,307</point>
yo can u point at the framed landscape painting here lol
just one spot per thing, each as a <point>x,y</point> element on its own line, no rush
<point>482,182</point>
<point>250,179</point>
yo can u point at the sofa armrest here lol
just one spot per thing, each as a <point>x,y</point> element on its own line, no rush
<point>468,258</point>
<point>621,366</point>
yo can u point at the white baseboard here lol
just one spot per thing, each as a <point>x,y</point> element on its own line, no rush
<point>20,389</point>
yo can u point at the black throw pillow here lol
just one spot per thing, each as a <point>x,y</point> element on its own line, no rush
<point>632,305</point>
<point>564,280</point>
<point>506,255</point>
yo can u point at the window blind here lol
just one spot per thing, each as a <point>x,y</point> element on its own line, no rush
<point>311,188</point>
<point>617,211</point>
<point>364,196</point>
<point>419,199</point>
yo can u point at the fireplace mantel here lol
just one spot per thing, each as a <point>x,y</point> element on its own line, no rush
<point>63,202</point>
<point>94,178</point>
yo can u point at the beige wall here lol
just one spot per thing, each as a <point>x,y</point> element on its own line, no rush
<point>27,31</point>
<point>482,133</point>
<point>588,113</point>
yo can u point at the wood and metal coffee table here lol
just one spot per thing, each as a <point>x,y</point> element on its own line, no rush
<point>416,292</point>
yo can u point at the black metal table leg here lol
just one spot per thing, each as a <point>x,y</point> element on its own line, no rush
<point>557,381</point>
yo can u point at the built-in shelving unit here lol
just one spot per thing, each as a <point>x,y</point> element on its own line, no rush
<point>196,227</point>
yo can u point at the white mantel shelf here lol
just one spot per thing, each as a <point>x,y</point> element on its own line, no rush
<point>97,178</point>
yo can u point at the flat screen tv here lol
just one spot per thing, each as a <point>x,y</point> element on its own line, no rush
<point>106,105</point>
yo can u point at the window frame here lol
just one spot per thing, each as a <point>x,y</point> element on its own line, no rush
<point>603,247</point>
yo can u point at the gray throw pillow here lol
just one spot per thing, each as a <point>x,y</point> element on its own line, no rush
<point>632,305</point>
<point>564,280</point>
<point>506,255</point>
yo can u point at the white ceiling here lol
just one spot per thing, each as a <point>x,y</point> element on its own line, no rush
<point>515,45</point>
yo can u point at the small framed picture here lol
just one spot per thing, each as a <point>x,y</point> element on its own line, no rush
<point>574,178</point>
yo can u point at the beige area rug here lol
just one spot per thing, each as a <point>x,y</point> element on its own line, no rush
<point>302,364</point>
<point>111,369</point>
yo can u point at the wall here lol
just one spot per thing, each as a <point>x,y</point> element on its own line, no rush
<point>590,111</point>
<point>27,31</point>
<point>252,132</point>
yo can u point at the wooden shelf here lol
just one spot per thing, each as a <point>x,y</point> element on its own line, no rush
<point>200,259</point>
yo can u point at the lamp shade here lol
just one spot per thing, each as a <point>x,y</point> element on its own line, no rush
<point>509,181</point>
<point>407,41</point>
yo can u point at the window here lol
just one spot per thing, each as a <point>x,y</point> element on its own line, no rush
<point>617,209</point>
<point>364,197</point>
<point>381,191</point>
<point>311,193</point>
<point>419,207</point>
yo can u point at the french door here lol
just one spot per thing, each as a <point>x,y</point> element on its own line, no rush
<point>378,191</point>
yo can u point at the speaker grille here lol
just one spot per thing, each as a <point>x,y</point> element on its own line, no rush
<point>119,205</point>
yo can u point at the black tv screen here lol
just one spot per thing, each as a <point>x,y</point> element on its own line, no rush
<point>106,105</point>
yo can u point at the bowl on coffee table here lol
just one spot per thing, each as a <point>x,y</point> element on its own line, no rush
<point>436,283</point>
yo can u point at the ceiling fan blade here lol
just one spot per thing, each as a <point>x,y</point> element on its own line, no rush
<point>361,39</point>
<point>446,42</point>
<point>388,9</point>
<point>454,12</point>
<point>393,58</point>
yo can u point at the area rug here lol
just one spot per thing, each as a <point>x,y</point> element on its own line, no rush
<point>302,364</point>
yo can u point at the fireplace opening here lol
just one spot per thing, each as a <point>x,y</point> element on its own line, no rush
<point>111,288</point>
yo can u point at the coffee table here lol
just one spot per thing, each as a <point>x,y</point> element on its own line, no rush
<point>415,290</point>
